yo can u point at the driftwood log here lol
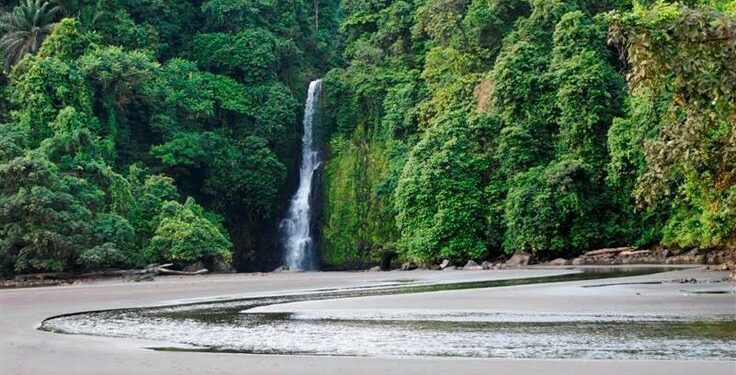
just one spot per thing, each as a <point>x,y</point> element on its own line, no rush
<point>608,251</point>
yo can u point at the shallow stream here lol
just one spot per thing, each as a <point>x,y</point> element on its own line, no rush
<point>228,326</point>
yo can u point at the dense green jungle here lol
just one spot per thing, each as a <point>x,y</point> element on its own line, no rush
<point>155,131</point>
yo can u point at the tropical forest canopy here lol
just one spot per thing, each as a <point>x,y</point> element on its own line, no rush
<point>134,132</point>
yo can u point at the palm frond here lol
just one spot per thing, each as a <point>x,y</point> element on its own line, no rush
<point>24,28</point>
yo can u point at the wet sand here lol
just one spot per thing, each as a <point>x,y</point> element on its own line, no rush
<point>630,296</point>
<point>25,350</point>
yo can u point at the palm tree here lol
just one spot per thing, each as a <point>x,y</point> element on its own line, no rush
<point>25,28</point>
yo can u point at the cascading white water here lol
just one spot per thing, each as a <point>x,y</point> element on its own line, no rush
<point>296,226</point>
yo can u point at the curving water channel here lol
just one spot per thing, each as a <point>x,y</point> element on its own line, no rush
<point>229,326</point>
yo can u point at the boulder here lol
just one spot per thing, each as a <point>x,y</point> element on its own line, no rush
<point>696,256</point>
<point>445,264</point>
<point>472,265</point>
<point>375,269</point>
<point>386,258</point>
<point>634,253</point>
<point>449,268</point>
<point>221,266</point>
<point>728,265</point>
<point>409,266</point>
<point>281,268</point>
<point>519,259</point>
<point>715,258</point>
<point>194,267</point>
<point>429,266</point>
<point>559,262</point>
<point>486,265</point>
<point>577,261</point>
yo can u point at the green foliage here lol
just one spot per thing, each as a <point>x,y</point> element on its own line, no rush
<point>71,138</point>
<point>185,234</point>
<point>249,55</point>
<point>41,89</point>
<point>523,96</point>
<point>231,13</point>
<point>116,238</point>
<point>438,198</point>
<point>685,55</point>
<point>125,23</point>
<point>455,129</point>
<point>589,89</point>
<point>625,139</point>
<point>11,142</point>
<point>368,113</point>
<point>557,202</point>
<point>110,91</point>
<point>151,193</point>
<point>171,19</point>
<point>440,19</point>
<point>448,79</point>
<point>67,41</point>
<point>552,209</point>
<point>45,217</point>
<point>565,150</point>
<point>25,28</point>
<point>116,72</point>
<point>359,223</point>
<point>185,150</point>
<point>245,173</point>
<point>488,21</point>
<point>102,256</point>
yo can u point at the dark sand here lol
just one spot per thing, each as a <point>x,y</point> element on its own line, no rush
<point>25,350</point>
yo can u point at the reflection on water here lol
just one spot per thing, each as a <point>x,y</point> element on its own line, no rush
<point>227,326</point>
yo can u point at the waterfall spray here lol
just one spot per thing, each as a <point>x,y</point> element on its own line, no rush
<point>296,227</point>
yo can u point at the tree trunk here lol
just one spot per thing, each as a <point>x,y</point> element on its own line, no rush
<point>316,15</point>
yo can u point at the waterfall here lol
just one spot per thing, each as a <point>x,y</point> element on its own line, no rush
<point>296,227</point>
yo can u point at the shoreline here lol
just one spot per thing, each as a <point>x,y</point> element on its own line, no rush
<point>31,281</point>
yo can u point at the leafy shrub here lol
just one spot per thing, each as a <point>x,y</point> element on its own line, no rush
<point>551,209</point>
<point>439,196</point>
<point>102,256</point>
<point>185,234</point>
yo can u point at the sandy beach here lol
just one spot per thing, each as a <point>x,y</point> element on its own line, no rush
<point>26,350</point>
